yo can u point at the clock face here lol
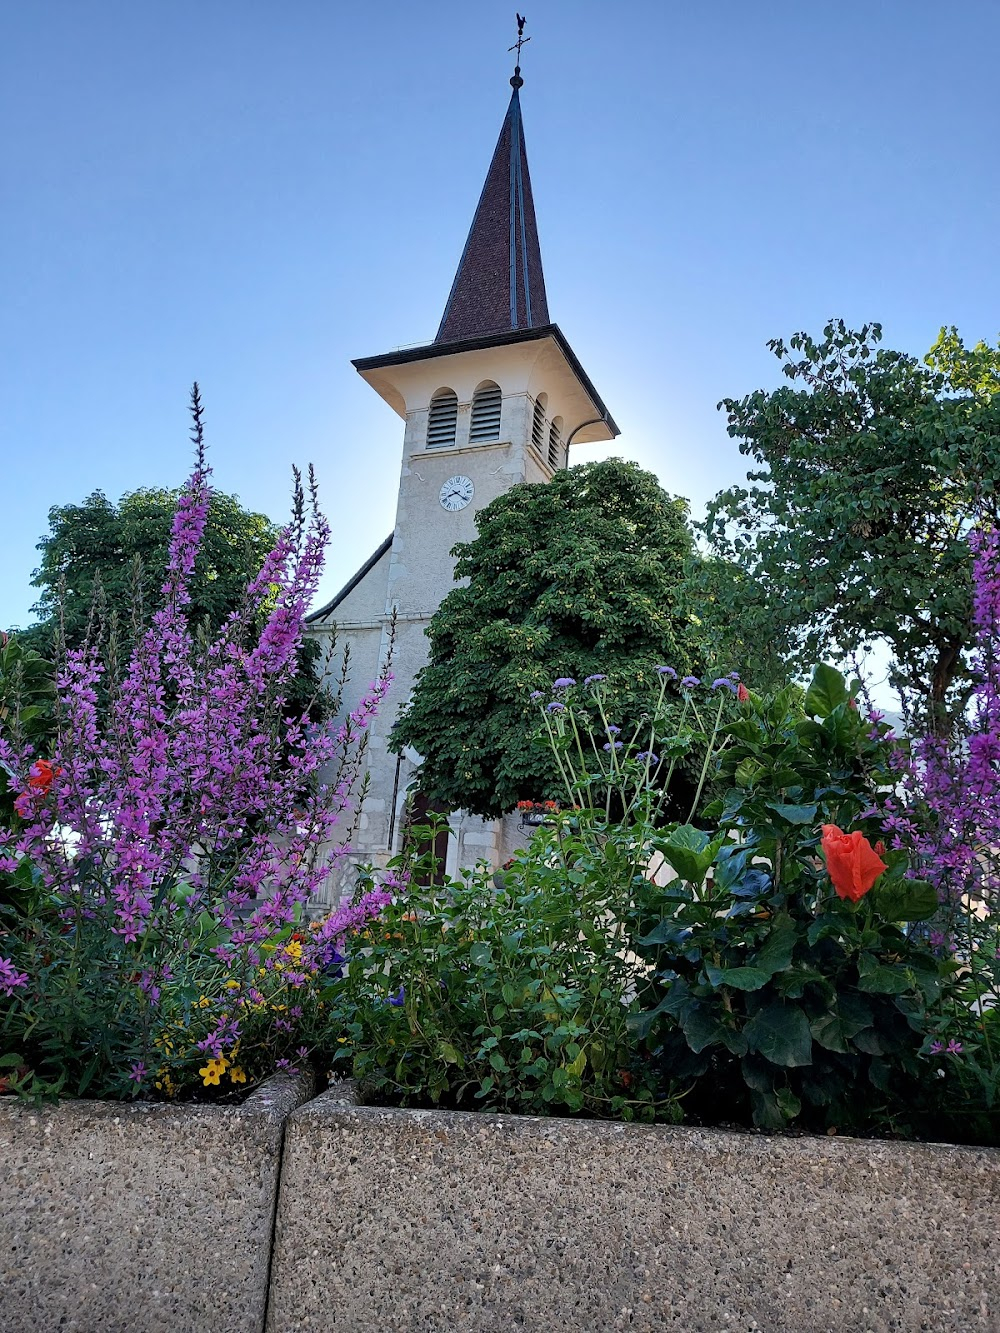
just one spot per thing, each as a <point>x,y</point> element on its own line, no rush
<point>456,493</point>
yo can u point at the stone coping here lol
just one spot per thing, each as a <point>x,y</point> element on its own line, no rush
<point>128,1217</point>
<point>435,1220</point>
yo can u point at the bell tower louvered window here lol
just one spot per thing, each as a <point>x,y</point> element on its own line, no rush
<point>442,419</point>
<point>555,443</point>
<point>485,424</point>
<point>538,423</point>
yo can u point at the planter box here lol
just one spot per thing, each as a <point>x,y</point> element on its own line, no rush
<point>420,1220</point>
<point>123,1218</point>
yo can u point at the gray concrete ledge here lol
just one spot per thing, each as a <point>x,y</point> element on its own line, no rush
<point>123,1218</point>
<point>419,1220</point>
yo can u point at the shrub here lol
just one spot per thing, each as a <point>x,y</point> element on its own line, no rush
<point>171,838</point>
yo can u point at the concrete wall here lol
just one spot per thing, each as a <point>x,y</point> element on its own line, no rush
<point>140,1218</point>
<point>417,1220</point>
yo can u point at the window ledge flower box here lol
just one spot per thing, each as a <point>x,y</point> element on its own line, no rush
<point>141,1216</point>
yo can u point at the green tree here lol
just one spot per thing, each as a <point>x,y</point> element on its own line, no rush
<point>582,575</point>
<point>123,547</point>
<point>871,467</point>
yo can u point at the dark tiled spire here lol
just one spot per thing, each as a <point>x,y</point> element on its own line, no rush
<point>499,285</point>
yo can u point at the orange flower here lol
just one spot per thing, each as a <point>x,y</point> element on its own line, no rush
<point>742,693</point>
<point>41,775</point>
<point>852,862</point>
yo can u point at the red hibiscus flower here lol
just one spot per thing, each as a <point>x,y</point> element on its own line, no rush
<point>852,862</point>
<point>41,775</point>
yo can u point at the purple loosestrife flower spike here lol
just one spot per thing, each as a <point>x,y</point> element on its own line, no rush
<point>10,978</point>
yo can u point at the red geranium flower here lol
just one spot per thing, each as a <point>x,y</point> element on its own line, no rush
<point>852,862</point>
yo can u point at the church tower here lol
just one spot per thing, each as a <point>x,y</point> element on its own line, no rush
<point>496,399</point>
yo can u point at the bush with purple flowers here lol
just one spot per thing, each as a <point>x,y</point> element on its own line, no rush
<point>171,836</point>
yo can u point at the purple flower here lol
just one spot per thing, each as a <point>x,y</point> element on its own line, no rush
<point>591,680</point>
<point>138,1072</point>
<point>537,694</point>
<point>399,998</point>
<point>954,1047</point>
<point>734,675</point>
<point>10,977</point>
<point>724,683</point>
<point>613,730</point>
<point>555,707</point>
<point>647,756</point>
<point>937,1047</point>
<point>667,671</point>
<point>617,745</point>
<point>689,682</point>
<point>563,683</point>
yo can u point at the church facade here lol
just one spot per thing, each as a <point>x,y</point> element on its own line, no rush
<point>498,398</point>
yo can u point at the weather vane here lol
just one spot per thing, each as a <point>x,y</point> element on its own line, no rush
<point>521,39</point>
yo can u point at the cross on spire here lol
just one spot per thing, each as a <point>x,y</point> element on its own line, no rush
<point>521,39</point>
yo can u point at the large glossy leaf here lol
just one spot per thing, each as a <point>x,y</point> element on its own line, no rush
<point>780,1032</point>
<point>794,814</point>
<point>904,899</point>
<point>826,691</point>
<point>776,952</point>
<point>688,851</point>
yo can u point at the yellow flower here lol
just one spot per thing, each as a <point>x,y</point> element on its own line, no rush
<point>232,985</point>
<point>293,950</point>
<point>237,1075</point>
<point>213,1071</point>
<point>204,1002</point>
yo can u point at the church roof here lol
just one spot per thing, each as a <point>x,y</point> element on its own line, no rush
<point>499,286</point>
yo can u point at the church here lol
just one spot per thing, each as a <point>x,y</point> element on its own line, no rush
<point>499,397</point>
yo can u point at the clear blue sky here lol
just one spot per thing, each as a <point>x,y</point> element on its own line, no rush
<point>251,194</point>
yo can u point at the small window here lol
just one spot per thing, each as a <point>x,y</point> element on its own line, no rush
<point>485,423</point>
<point>538,423</point>
<point>442,419</point>
<point>555,443</point>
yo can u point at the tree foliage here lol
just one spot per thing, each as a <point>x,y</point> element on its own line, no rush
<point>123,547</point>
<point>577,576</point>
<point>872,466</point>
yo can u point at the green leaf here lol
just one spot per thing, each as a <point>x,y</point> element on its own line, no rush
<point>480,955</point>
<point>794,814</point>
<point>884,980</point>
<point>688,851</point>
<point>448,1054</point>
<point>904,899</point>
<point>743,978</point>
<point>788,1102</point>
<point>828,1031</point>
<point>826,691</point>
<point>780,1032</point>
<point>776,952</point>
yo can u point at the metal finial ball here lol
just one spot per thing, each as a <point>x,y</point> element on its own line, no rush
<point>517,81</point>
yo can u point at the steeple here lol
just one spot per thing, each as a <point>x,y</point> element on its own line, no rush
<point>499,286</point>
